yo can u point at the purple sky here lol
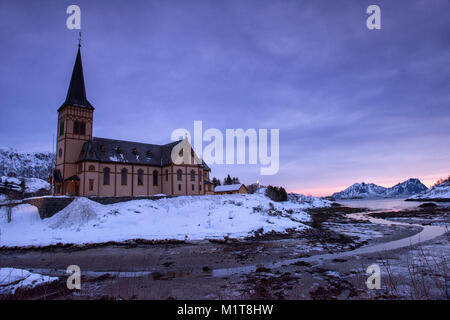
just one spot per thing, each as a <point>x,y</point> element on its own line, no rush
<point>351,104</point>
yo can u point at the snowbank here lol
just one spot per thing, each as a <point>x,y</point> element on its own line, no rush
<point>32,185</point>
<point>189,217</point>
<point>441,192</point>
<point>12,279</point>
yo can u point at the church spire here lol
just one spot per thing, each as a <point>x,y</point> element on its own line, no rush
<point>76,95</point>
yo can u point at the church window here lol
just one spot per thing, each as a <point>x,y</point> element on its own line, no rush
<point>76,127</point>
<point>124,177</point>
<point>179,175</point>
<point>82,127</point>
<point>106,172</point>
<point>192,175</point>
<point>155,177</point>
<point>140,175</point>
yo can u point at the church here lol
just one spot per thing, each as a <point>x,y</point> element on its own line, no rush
<point>92,166</point>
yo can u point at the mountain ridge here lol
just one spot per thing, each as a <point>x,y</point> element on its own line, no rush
<point>364,190</point>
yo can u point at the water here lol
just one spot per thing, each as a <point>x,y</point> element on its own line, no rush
<point>381,204</point>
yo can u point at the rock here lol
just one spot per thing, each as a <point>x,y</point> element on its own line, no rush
<point>428,205</point>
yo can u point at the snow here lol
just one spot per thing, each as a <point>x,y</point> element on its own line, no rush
<point>28,164</point>
<point>183,218</point>
<point>230,187</point>
<point>12,279</point>
<point>35,184</point>
<point>31,184</point>
<point>441,191</point>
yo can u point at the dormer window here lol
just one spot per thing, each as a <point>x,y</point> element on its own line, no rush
<point>102,148</point>
<point>135,152</point>
<point>118,149</point>
<point>149,154</point>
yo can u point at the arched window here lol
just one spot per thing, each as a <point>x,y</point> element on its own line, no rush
<point>155,177</point>
<point>91,168</point>
<point>82,127</point>
<point>140,176</point>
<point>192,175</point>
<point>61,128</point>
<point>167,175</point>
<point>76,127</point>
<point>124,176</point>
<point>179,175</point>
<point>106,172</point>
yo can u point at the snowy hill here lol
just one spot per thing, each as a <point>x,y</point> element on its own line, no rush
<point>370,190</point>
<point>183,218</point>
<point>24,186</point>
<point>28,165</point>
<point>439,192</point>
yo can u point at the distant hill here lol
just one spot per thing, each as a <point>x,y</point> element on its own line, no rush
<point>370,190</point>
<point>27,165</point>
<point>440,192</point>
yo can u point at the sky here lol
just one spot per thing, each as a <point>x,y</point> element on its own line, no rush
<point>351,104</point>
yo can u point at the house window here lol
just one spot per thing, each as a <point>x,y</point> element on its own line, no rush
<point>76,127</point>
<point>179,175</point>
<point>60,152</point>
<point>91,184</point>
<point>61,128</point>
<point>91,168</point>
<point>193,187</point>
<point>106,172</point>
<point>124,177</point>
<point>192,175</point>
<point>167,175</point>
<point>179,187</point>
<point>200,187</point>
<point>155,177</point>
<point>140,175</point>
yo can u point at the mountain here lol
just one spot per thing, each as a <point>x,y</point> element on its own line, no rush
<point>27,165</point>
<point>406,188</point>
<point>371,190</point>
<point>361,190</point>
<point>441,192</point>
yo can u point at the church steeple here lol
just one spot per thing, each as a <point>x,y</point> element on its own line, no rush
<point>76,95</point>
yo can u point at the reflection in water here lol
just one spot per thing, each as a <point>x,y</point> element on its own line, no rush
<point>381,204</point>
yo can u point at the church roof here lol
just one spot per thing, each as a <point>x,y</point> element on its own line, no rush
<point>128,152</point>
<point>76,95</point>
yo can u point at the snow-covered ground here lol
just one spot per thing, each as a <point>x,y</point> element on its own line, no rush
<point>12,279</point>
<point>441,191</point>
<point>189,217</point>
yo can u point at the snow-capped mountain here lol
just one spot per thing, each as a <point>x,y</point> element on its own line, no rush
<point>27,165</point>
<point>406,188</point>
<point>361,190</point>
<point>439,192</point>
<point>371,190</point>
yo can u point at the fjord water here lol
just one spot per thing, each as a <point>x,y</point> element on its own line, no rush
<point>392,204</point>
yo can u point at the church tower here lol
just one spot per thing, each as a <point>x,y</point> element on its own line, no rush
<point>75,120</point>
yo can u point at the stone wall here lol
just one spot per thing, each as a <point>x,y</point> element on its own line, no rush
<point>48,206</point>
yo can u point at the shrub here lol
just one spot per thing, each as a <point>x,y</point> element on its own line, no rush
<point>276,193</point>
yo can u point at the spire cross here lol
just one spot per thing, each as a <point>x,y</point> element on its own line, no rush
<point>79,40</point>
